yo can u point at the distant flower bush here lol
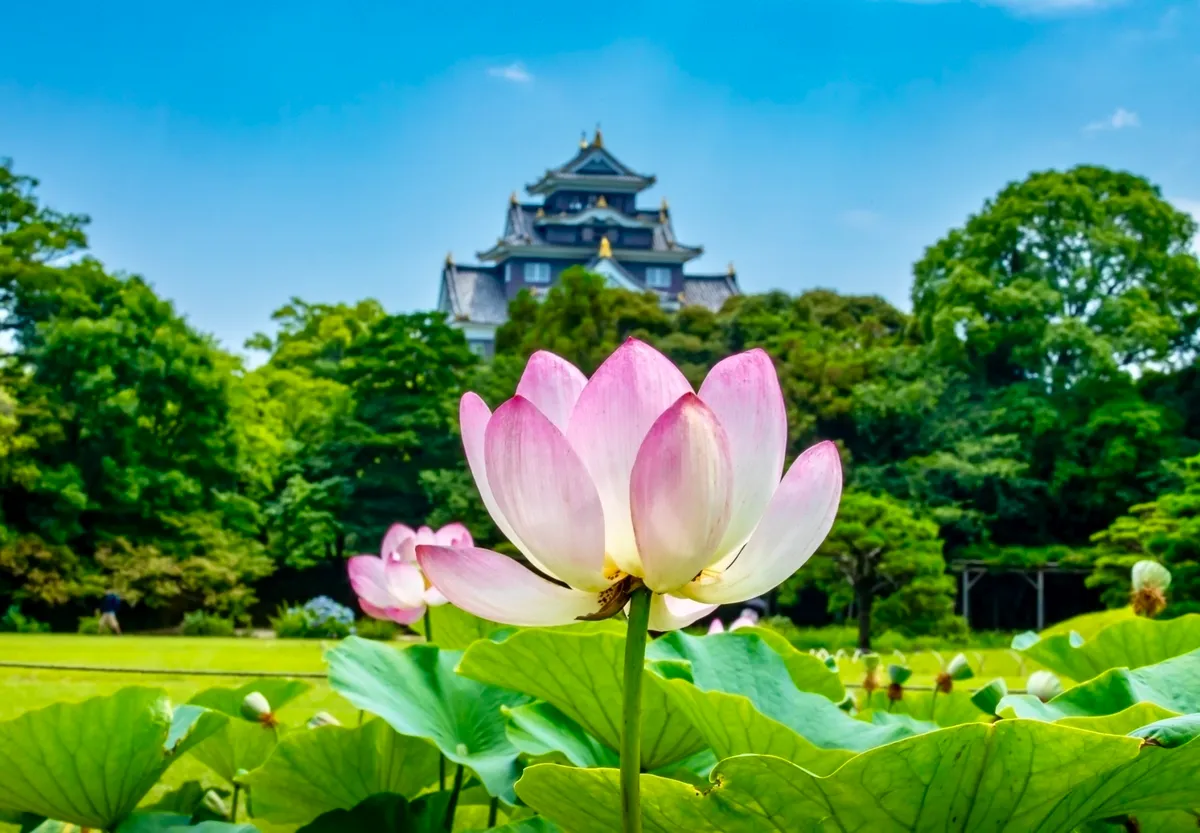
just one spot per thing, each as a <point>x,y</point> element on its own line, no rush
<point>201,623</point>
<point>319,618</point>
<point>381,629</point>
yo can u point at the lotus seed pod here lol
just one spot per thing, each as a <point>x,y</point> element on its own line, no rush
<point>1149,594</point>
<point>899,674</point>
<point>323,719</point>
<point>1150,574</point>
<point>870,661</point>
<point>255,706</point>
<point>1044,685</point>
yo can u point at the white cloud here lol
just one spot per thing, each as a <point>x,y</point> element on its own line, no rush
<point>1119,120</point>
<point>860,219</point>
<point>514,72</point>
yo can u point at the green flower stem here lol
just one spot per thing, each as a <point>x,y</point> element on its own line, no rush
<point>441,758</point>
<point>631,723</point>
<point>237,789</point>
<point>450,808</point>
<point>493,812</point>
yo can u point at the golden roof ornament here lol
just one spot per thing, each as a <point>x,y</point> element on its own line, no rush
<point>605,248</point>
<point>583,140</point>
<point>449,258</point>
<point>731,271</point>
<point>601,202</point>
<point>541,212</point>
<point>664,206</point>
<point>598,139</point>
<point>512,198</point>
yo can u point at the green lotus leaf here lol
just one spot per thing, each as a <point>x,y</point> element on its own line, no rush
<point>385,813</point>
<point>578,671</point>
<point>1010,776</point>
<point>807,671</point>
<point>540,730</point>
<point>1173,685</point>
<point>143,822</point>
<point>1128,643</point>
<point>454,629</point>
<point>91,763</point>
<point>336,768</point>
<point>417,691</point>
<point>741,698</point>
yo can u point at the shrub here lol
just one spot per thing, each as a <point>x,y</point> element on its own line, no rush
<point>381,629</point>
<point>319,618</point>
<point>14,621</point>
<point>200,623</point>
<point>89,625</point>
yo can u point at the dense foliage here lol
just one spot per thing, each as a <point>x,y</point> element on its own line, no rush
<point>1036,406</point>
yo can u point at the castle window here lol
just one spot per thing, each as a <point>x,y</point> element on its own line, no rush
<point>537,273</point>
<point>658,277</point>
<point>508,273</point>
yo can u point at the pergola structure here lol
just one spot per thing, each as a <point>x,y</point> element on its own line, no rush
<point>972,571</point>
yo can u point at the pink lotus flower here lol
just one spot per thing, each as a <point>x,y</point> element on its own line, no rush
<point>630,479</point>
<point>391,586</point>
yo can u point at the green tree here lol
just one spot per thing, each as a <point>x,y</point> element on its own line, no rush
<point>887,563</point>
<point>1062,277</point>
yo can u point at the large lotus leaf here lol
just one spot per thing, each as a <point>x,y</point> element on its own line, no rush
<point>454,629</point>
<point>936,708</point>
<point>1009,776</point>
<point>243,744</point>
<point>417,691</point>
<point>537,824</point>
<point>1174,685</point>
<point>579,673</point>
<point>335,768</point>
<point>142,822</point>
<point>542,731</point>
<point>1129,643</point>
<point>807,672</point>
<point>386,813</point>
<point>1121,723</point>
<point>1088,625</point>
<point>90,763</point>
<point>742,698</point>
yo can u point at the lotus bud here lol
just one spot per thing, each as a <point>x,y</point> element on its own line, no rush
<point>213,802</point>
<point>899,675</point>
<point>847,704</point>
<point>957,670</point>
<point>323,719</point>
<point>1150,583</point>
<point>255,707</point>
<point>716,626</point>
<point>1043,685</point>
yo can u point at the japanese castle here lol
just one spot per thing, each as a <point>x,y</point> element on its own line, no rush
<point>587,215</point>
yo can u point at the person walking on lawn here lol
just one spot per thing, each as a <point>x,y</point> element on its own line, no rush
<point>108,613</point>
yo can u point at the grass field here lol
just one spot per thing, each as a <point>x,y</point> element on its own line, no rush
<point>22,690</point>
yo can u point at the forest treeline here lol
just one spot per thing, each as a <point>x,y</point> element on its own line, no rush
<point>1040,403</point>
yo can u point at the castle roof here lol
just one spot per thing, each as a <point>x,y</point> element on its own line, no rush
<point>593,168</point>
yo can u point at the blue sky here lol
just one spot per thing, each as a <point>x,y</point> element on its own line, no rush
<point>236,154</point>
